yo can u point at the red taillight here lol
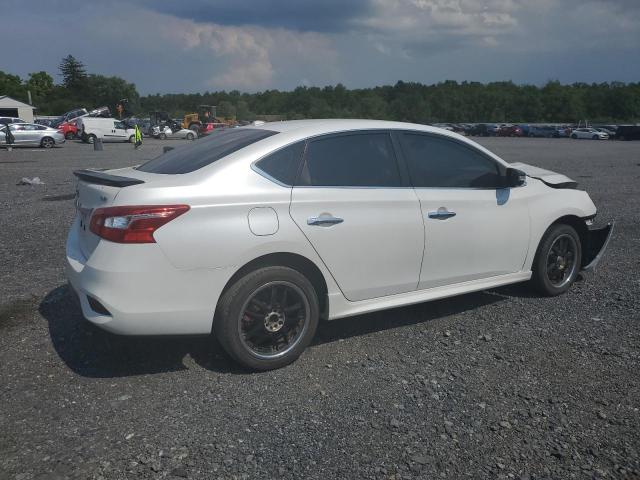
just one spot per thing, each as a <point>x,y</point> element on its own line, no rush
<point>134,224</point>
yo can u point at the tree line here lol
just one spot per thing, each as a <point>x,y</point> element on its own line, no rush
<point>448,101</point>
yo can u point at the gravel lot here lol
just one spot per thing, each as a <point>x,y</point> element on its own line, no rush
<point>497,384</point>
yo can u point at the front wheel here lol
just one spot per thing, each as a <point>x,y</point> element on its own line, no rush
<point>91,138</point>
<point>190,136</point>
<point>574,136</point>
<point>267,318</point>
<point>595,137</point>
<point>557,261</point>
<point>162,136</point>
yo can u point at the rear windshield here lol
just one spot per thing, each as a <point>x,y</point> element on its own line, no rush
<point>205,151</point>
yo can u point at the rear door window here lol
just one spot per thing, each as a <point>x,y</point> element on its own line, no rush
<point>351,160</point>
<point>205,151</point>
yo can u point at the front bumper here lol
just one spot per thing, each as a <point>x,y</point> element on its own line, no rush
<point>134,290</point>
<point>594,245</point>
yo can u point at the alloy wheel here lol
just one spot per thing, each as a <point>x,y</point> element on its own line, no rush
<point>561,260</point>
<point>273,319</point>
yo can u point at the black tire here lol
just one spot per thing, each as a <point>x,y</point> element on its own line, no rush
<point>47,142</point>
<point>551,276</point>
<point>132,139</point>
<point>68,136</point>
<point>236,313</point>
<point>191,136</point>
<point>91,138</point>
<point>162,136</point>
<point>595,137</point>
<point>574,136</point>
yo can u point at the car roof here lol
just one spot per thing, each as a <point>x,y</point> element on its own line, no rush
<point>322,126</point>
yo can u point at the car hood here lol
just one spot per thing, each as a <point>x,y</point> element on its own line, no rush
<point>552,179</point>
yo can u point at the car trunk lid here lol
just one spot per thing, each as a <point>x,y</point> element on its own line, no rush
<point>96,189</point>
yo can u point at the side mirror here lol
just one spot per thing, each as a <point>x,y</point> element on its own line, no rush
<point>515,177</point>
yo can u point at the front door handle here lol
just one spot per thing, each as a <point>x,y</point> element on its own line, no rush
<point>442,214</point>
<point>324,221</point>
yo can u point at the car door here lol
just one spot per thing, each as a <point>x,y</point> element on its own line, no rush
<point>473,228</point>
<point>360,214</point>
<point>32,134</point>
<point>117,132</point>
<point>20,134</point>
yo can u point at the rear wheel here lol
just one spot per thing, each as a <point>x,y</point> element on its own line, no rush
<point>574,136</point>
<point>47,142</point>
<point>267,318</point>
<point>132,139</point>
<point>191,136</point>
<point>162,136</point>
<point>68,136</point>
<point>91,138</point>
<point>557,261</point>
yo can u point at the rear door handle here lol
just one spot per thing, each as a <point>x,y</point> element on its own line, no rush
<point>324,221</point>
<point>442,214</point>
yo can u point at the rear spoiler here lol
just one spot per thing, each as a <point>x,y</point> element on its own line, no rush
<point>101,178</point>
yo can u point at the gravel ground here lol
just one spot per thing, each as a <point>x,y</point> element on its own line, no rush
<point>496,384</point>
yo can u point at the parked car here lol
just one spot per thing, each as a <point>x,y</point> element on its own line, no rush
<point>165,132</point>
<point>590,133</point>
<point>562,131</point>
<point>479,130</point>
<point>69,129</point>
<point>32,135</point>
<point>107,129</point>
<point>628,132</point>
<point>542,131</point>
<point>493,129</point>
<point>444,126</point>
<point>8,120</point>
<point>610,133</point>
<point>255,233</point>
<point>510,131</point>
<point>75,113</point>
<point>208,128</point>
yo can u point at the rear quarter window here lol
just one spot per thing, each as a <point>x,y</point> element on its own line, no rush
<point>282,165</point>
<point>205,151</point>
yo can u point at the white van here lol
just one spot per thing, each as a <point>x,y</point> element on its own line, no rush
<point>108,129</point>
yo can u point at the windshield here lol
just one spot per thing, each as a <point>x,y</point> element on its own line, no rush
<point>205,151</point>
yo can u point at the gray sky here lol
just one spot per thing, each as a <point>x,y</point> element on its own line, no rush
<point>251,45</point>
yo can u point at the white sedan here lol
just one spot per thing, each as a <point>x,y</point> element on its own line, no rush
<point>257,233</point>
<point>166,132</point>
<point>590,133</point>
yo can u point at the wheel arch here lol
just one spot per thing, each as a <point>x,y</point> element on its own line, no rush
<point>577,223</point>
<point>292,260</point>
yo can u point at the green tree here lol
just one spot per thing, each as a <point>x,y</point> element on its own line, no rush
<point>107,91</point>
<point>73,72</point>
<point>12,86</point>
<point>40,85</point>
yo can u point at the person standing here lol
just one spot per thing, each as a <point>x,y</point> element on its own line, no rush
<point>137,137</point>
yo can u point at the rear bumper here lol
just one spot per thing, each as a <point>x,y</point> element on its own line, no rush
<point>136,291</point>
<point>595,244</point>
